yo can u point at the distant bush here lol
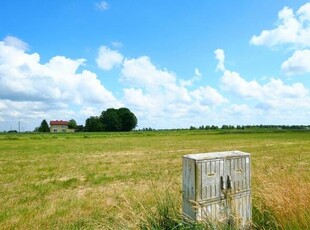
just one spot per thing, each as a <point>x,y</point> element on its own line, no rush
<point>12,131</point>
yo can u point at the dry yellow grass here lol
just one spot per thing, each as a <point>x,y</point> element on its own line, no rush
<point>112,181</point>
<point>285,189</point>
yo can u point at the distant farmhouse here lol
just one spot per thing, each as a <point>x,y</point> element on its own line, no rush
<point>60,127</point>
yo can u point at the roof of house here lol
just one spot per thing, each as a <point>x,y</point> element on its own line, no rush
<point>59,122</point>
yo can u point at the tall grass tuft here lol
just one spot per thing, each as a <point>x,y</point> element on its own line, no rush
<point>166,212</point>
<point>159,209</point>
<point>167,215</point>
<point>283,197</point>
<point>263,219</point>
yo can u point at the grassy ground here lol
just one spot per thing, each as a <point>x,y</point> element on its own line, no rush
<point>115,180</point>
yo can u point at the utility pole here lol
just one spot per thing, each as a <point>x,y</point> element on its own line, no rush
<point>19,126</point>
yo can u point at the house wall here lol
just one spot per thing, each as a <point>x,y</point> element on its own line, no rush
<point>58,128</point>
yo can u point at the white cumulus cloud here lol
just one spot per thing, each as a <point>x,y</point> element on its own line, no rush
<point>108,58</point>
<point>15,42</point>
<point>293,29</point>
<point>157,96</point>
<point>271,103</point>
<point>140,72</point>
<point>197,76</point>
<point>208,96</point>
<point>32,89</point>
<point>298,63</point>
<point>273,95</point>
<point>234,83</point>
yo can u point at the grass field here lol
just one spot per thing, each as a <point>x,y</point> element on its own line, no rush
<point>115,180</point>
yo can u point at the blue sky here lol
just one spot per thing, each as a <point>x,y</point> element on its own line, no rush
<point>173,63</point>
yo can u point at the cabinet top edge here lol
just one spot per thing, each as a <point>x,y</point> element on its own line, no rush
<point>214,155</point>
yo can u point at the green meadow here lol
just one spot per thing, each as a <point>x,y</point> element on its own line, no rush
<point>118,180</point>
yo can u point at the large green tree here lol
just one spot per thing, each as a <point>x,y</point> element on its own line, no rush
<point>111,120</point>
<point>72,124</point>
<point>128,119</point>
<point>118,119</point>
<point>44,127</point>
<point>93,124</point>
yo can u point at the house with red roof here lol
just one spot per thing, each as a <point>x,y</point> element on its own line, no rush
<point>59,126</point>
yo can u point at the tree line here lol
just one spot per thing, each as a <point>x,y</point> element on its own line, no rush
<point>109,120</point>
<point>214,127</point>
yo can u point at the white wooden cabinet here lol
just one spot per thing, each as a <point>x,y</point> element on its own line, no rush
<point>217,188</point>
